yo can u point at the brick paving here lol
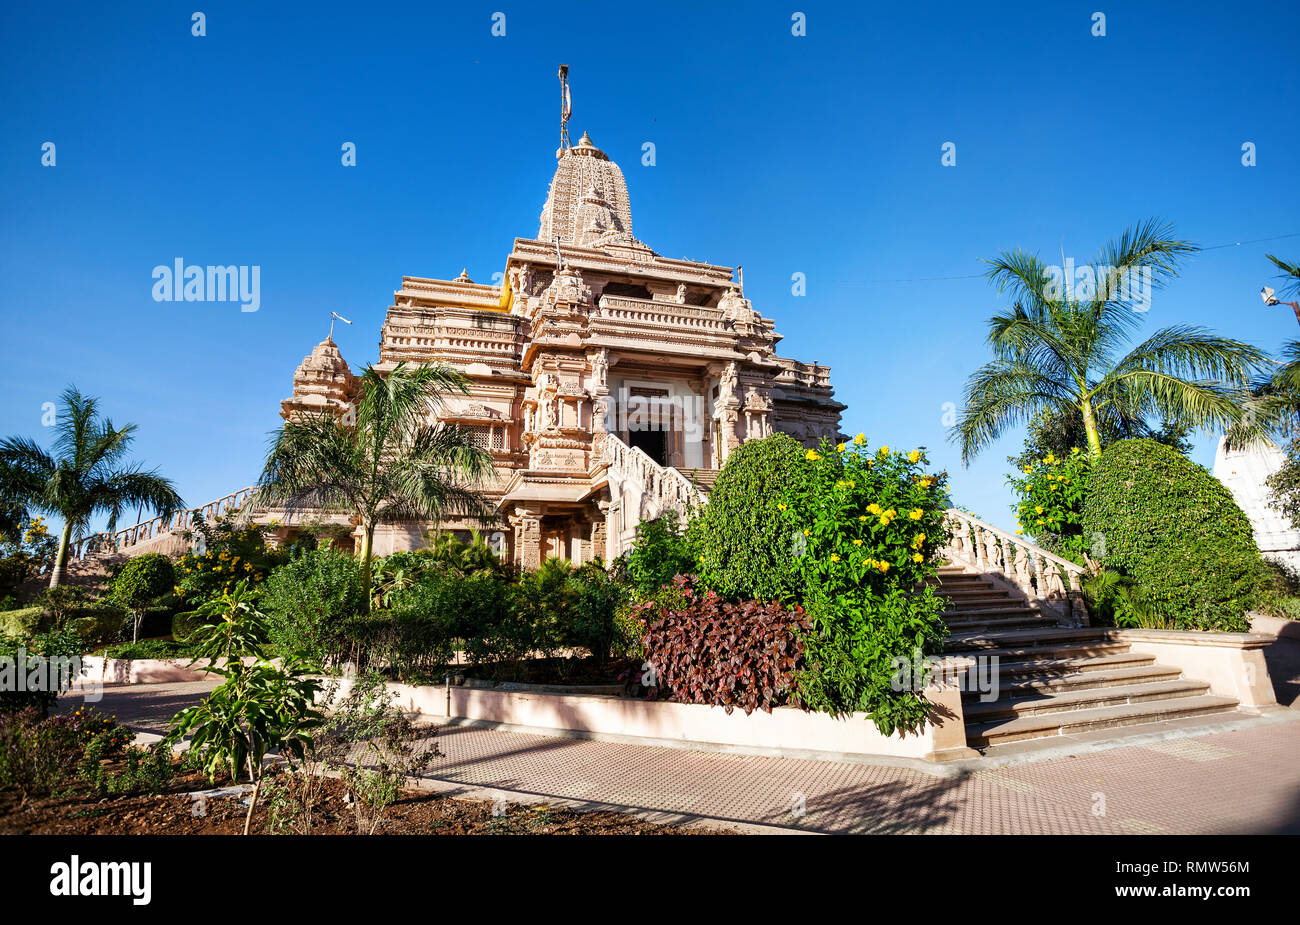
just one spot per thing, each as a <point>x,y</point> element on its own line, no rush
<point>1242,781</point>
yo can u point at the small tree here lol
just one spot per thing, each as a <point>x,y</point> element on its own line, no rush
<point>142,581</point>
<point>259,708</point>
<point>232,626</point>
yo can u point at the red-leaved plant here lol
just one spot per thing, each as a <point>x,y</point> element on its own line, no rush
<point>710,651</point>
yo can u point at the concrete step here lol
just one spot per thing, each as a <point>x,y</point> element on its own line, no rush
<point>990,609</point>
<point>1036,704</point>
<point>977,596</point>
<point>982,735</point>
<point>1015,667</point>
<point>1036,685</point>
<point>984,626</point>
<point>1030,638</point>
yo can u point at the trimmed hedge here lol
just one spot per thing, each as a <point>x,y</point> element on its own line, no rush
<point>20,624</point>
<point>747,548</point>
<point>1171,526</point>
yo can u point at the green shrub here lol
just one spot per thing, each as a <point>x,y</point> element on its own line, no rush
<point>20,624</point>
<point>870,525</point>
<point>224,553</point>
<point>746,547</point>
<point>1052,492</point>
<point>98,622</point>
<point>309,600</point>
<point>662,551</point>
<point>1170,526</point>
<point>147,648</point>
<point>591,619</point>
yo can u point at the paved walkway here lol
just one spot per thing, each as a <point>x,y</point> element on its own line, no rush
<point>1244,781</point>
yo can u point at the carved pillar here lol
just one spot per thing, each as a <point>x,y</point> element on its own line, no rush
<point>528,537</point>
<point>600,532</point>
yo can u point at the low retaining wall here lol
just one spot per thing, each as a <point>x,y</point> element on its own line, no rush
<point>784,729</point>
<point>1232,663</point>
<point>96,669</point>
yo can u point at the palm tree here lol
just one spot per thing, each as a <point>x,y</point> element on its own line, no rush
<point>1055,349</point>
<point>86,476</point>
<point>390,466</point>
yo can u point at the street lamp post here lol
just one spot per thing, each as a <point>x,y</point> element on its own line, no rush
<point>1270,298</point>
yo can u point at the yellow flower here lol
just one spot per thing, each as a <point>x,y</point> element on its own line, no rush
<point>1029,469</point>
<point>927,482</point>
<point>914,456</point>
<point>883,566</point>
<point>834,558</point>
<point>1039,509</point>
<point>883,451</point>
<point>857,542</point>
<point>1074,451</point>
<point>807,533</point>
<point>812,455</point>
<point>863,517</point>
<point>1020,533</point>
<point>873,508</point>
<point>860,439</point>
<point>1050,459</point>
<point>918,557</point>
<point>841,447</point>
<point>891,513</point>
<point>884,520</point>
<point>1038,522</point>
<point>916,514</point>
<point>780,507</point>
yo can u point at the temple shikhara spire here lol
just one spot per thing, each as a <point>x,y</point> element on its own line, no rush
<point>608,382</point>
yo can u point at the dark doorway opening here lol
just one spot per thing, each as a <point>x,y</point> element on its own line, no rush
<point>653,443</point>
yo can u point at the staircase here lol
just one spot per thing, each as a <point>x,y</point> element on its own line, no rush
<point>1054,680</point>
<point>702,479</point>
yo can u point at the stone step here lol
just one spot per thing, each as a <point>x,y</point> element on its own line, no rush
<point>984,626</point>
<point>1031,704</point>
<point>982,735</point>
<point>1014,667</point>
<point>991,609</point>
<point>976,595</point>
<point>1031,639</point>
<point>1037,685</point>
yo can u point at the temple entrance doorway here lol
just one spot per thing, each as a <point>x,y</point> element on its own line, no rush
<point>653,443</point>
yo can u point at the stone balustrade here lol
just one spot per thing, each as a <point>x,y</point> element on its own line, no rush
<point>148,529</point>
<point>663,488</point>
<point>1047,580</point>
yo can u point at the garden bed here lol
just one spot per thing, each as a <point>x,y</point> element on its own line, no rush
<point>417,813</point>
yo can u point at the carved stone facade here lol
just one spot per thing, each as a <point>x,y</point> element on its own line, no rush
<point>608,382</point>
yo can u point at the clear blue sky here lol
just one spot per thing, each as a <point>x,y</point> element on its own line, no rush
<point>816,154</point>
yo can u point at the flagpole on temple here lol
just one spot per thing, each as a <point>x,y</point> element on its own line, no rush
<point>566,109</point>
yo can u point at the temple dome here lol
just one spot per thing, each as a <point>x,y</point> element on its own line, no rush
<point>587,203</point>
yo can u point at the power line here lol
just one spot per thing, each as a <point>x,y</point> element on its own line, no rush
<point>1213,247</point>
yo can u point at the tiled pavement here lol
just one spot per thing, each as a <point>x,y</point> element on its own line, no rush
<point>1243,781</point>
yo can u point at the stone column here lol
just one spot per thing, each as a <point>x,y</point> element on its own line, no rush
<point>528,537</point>
<point>599,533</point>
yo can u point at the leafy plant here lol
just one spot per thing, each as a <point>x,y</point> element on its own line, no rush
<point>711,651</point>
<point>259,708</point>
<point>233,627</point>
<point>375,748</point>
<point>661,551</point>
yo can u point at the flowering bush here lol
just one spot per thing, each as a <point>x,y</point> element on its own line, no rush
<point>864,532</point>
<point>224,554</point>
<point>1052,492</point>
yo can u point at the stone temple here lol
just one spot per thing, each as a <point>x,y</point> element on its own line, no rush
<point>609,383</point>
